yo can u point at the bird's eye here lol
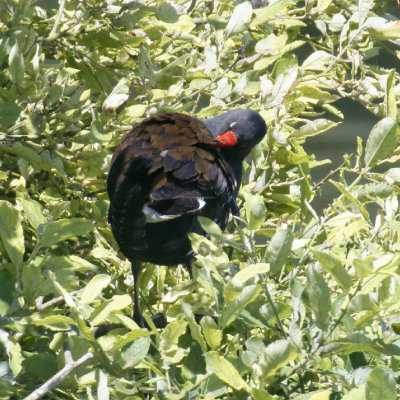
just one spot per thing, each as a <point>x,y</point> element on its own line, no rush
<point>232,124</point>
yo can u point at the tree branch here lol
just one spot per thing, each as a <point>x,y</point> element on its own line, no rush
<point>58,378</point>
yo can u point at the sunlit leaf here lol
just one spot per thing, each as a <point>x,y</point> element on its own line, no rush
<point>117,302</point>
<point>16,64</point>
<point>381,141</point>
<point>224,370</point>
<point>335,267</point>
<point>380,384</point>
<point>94,287</point>
<point>276,355</point>
<point>239,19</point>
<point>234,308</point>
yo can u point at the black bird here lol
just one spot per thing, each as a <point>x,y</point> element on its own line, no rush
<point>169,170</point>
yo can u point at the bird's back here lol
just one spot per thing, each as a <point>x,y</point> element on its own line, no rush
<point>164,174</point>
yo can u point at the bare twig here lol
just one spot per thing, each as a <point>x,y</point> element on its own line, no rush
<point>58,378</point>
<point>50,303</point>
<point>53,33</point>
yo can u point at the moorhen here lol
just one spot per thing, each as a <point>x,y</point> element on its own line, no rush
<point>169,170</point>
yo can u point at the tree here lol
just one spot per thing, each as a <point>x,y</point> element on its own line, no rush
<point>306,304</point>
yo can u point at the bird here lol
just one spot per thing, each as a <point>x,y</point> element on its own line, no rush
<point>166,172</point>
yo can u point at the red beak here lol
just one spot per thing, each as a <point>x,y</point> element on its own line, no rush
<point>226,139</point>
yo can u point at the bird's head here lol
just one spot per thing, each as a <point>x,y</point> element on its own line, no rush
<point>237,132</point>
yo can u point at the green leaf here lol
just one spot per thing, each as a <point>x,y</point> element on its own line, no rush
<point>322,5</point>
<point>135,352</point>
<point>117,302</point>
<point>353,200</point>
<point>239,19</point>
<point>194,327</point>
<point>223,90</point>
<point>224,370</point>
<point>279,249</point>
<point>265,14</point>
<point>118,96</point>
<point>25,152</point>
<point>172,332</point>
<point>284,156</point>
<point>41,366</point>
<point>56,322</point>
<point>132,336</point>
<point>7,290</point>
<point>234,308</point>
<point>257,394</point>
<point>9,113</point>
<point>357,393</point>
<point>319,298</point>
<point>64,229</point>
<point>214,230</point>
<point>380,385</point>
<point>317,61</point>
<point>53,95</point>
<point>255,210</point>
<point>103,392</point>
<point>381,142</point>
<point>251,271</point>
<point>333,265</point>
<point>95,287</point>
<point>135,111</point>
<point>170,350</point>
<point>276,355</point>
<point>16,64</point>
<point>33,211</point>
<point>390,96</point>
<point>212,334</point>
<point>167,13</point>
<point>314,127</point>
<point>11,233</point>
<point>390,31</point>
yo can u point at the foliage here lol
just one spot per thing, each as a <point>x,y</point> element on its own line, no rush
<point>305,305</point>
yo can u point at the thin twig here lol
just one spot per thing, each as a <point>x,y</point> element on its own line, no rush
<point>53,33</point>
<point>58,378</point>
<point>50,303</point>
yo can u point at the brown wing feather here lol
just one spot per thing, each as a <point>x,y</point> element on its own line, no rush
<point>166,157</point>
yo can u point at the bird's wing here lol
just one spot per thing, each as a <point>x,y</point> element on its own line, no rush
<point>168,165</point>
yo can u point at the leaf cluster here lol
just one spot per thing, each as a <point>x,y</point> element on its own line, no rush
<point>295,305</point>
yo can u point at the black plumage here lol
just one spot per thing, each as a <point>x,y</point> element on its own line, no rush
<point>167,171</point>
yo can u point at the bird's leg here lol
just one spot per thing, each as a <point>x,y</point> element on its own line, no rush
<point>159,319</point>
<point>137,315</point>
<point>189,267</point>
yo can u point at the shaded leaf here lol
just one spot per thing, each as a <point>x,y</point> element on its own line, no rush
<point>319,298</point>
<point>11,233</point>
<point>64,229</point>
<point>7,290</point>
<point>34,212</point>
<point>279,249</point>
